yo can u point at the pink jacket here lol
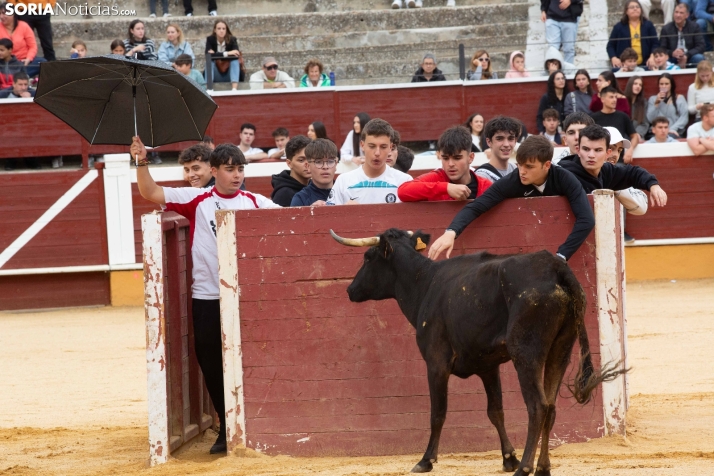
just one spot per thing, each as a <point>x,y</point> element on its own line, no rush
<point>512,72</point>
<point>24,45</point>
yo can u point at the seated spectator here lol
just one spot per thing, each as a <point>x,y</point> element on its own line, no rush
<point>635,94</point>
<point>701,91</point>
<point>405,159</point>
<point>501,134</point>
<point>553,99</point>
<point>661,61</point>
<point>289,182</point>
<point>551,121</point>
<point>554,62</point>
<point>222,44</point>
<point>79,49</point>
<point>582,95</point>
<point>137,45</point>
<point>700,135</point>
<point>24,46</point>
<point>247,136</point>
<point>667,8</point>
<point>281,136</point>
<point>184,65</point>
<point>374,181</point>
<point>682,39</point>
<point>561,25</point>
<point>572,126</point>
<point>351,151</point>
<point>633,26</point>
<point>317,130</point>
<point>660,129</point>
<point>164,7</point>
<point>704,18</point>
<point>9,65</point>
<point>394,152</point>
<point>629,62</point>
<point>20,88</point>
<point>618,145</point>
<point>314,77</point>
<point>481,67</point>
<point>454,180</point>
<point>208,142</point>
<point>117,48</point>
<point>322,162</point>
<point>606,79</point>
<point>517,65</point>
<point>428,71</point>
<point>669,104</point>
<point>611,117</point>
<point>175,45</point>
<point>475,124</point>
<point>270,77</point>
<point>196,162</point>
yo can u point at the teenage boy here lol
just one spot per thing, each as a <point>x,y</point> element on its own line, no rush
<point>629,61</point>
<point>551,121</point>
<point>454,180</point>
<point>199,207</point>
<point>535,178</point>
<point>661,61</point>
<point>609,116</point>
<point>247,136</point>
<point>501,134</point>
<point>405,159</point>
<point>322,159</point>
<point>184,65</point>
<point>281,136</point>
<point>660,129</point>
<point>9,65</point>
<point>196,162</point>
<point>373,181</point>
<point>700,135</point>
<point>289,182</point>
<point>572,125</point>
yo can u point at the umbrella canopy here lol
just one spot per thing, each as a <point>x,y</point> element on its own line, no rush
<point>107,98</point>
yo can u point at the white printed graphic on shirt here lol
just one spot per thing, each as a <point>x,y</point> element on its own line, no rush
<point>355,185</point>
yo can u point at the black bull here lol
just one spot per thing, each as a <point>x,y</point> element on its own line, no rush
<point>473,313</point>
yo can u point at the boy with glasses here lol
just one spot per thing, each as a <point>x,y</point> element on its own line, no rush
<point>322,162</point>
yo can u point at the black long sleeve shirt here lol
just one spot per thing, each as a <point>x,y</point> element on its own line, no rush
<point>559,182</point>
<point>611,177</point>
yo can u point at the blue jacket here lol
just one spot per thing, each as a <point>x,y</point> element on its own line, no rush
<point>309,195</point>
<point>620,39</point>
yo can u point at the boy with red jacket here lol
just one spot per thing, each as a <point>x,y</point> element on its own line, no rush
<point>455,180</point>
<point>9,65</point>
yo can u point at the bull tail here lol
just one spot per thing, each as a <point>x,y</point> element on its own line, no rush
<point>587,378</point>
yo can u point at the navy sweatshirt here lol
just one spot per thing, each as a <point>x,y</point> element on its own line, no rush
<point>309,195</point>
<point>611,177</point>
<point>559,182</point>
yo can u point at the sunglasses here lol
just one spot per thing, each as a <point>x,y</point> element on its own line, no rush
<point>485,59</point>
<point>271,67</point>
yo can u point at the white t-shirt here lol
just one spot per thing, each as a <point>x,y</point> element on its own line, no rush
<point>696,130</point>
<point>274,150</point>
<point>487,174</point>
<point>199,206</point>
<point>355,185</point>
<point>252,151</point>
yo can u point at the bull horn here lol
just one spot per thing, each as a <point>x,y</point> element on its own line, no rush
<point>371,241</point>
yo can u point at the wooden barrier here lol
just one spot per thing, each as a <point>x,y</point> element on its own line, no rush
<point>179,406</point>
<point>309,373</point>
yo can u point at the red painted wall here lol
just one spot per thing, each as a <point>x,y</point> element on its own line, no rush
<point>349,376</point>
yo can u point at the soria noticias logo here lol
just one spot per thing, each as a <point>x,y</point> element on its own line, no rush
<point>69,10</point>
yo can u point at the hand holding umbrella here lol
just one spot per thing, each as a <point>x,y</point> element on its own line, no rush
<point>138,151</point>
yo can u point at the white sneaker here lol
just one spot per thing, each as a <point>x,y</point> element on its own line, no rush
<point>189,14</point>
<point>213,13</point>
<point>396,4</point>
<point>56,163</point>
<point>153,15</point>
<point>417,4</point>
<point>411,4</point>
<point>167,15</point>
<point>450,3</point>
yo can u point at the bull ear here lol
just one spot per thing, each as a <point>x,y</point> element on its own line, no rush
<point>385,247</point>
<point>420,240</point>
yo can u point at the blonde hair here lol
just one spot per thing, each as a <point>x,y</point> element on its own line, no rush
<point>486,73</point>
<point>178,30</point>
<point>703,67</point>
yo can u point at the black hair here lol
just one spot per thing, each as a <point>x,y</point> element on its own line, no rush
<point>207,140</point>
<point>247,125</point>
<point>660,119</point>
<point>296,144</point>
<point>551,113</point>
<point>281,132</point>
<point>196,152</point>
<point>130,36</point>
<point>320,149</point>
<point>116,44</point>
<point>660,51</point>
<point>608,89</point>
<point>609,76</point>
<point>20,76</point>
<point>594,133</point>
<point>363,120</point>
<point>583,72</point>
<point>183,60</point>
<point>453,141</point>
<point>227,154</point>
<point>672,89</point>
<point>502,124</point>
<point>6,42</point>
<point>552,60</point>
<point>376,127</point>
<point>3,7</point>
<point>320,130</point>
<point>638,103</point>
<point>467,124</point>
<point>535,147</point>
<point>552,97</point>
<point>405,158</point>
<point>626,20</point>
<point>578,117</point>
<point>396,138</point>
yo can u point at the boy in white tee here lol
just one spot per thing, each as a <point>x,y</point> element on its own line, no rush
<point>199,206</point>
<point>372,182</point>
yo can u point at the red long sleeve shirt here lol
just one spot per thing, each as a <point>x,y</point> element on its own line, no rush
<point>432,187</point>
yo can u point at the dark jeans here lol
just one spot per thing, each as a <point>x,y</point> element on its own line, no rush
<point>188,8</point>
<point>41,23</point>
<point>164,5</point>
<point>209,351</point>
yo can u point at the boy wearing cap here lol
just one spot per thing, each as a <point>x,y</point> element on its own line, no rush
<point>270,77</point>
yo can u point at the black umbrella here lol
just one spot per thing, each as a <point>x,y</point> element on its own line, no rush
<point>109,99</point>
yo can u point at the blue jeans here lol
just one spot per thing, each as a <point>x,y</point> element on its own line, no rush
<point>232,75</point>
<point>691,62</point>
<point>33,69</point>
<point>557,32</point>
<point>703,24</point>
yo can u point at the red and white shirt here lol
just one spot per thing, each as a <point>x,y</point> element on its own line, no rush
<point>199,206</point>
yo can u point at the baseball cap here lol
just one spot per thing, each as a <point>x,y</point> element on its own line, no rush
<point>616,137</point>
<point>269,60</point>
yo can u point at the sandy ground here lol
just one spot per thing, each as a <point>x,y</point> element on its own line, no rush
<point>73,400</point>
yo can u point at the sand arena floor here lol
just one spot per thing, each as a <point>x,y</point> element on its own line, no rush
<point>73,400</point>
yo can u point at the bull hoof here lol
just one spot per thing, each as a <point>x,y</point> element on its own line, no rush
<point>511,463</point>
<point>542,472</point>
<point>522,472</point>
<point>423,467</point>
